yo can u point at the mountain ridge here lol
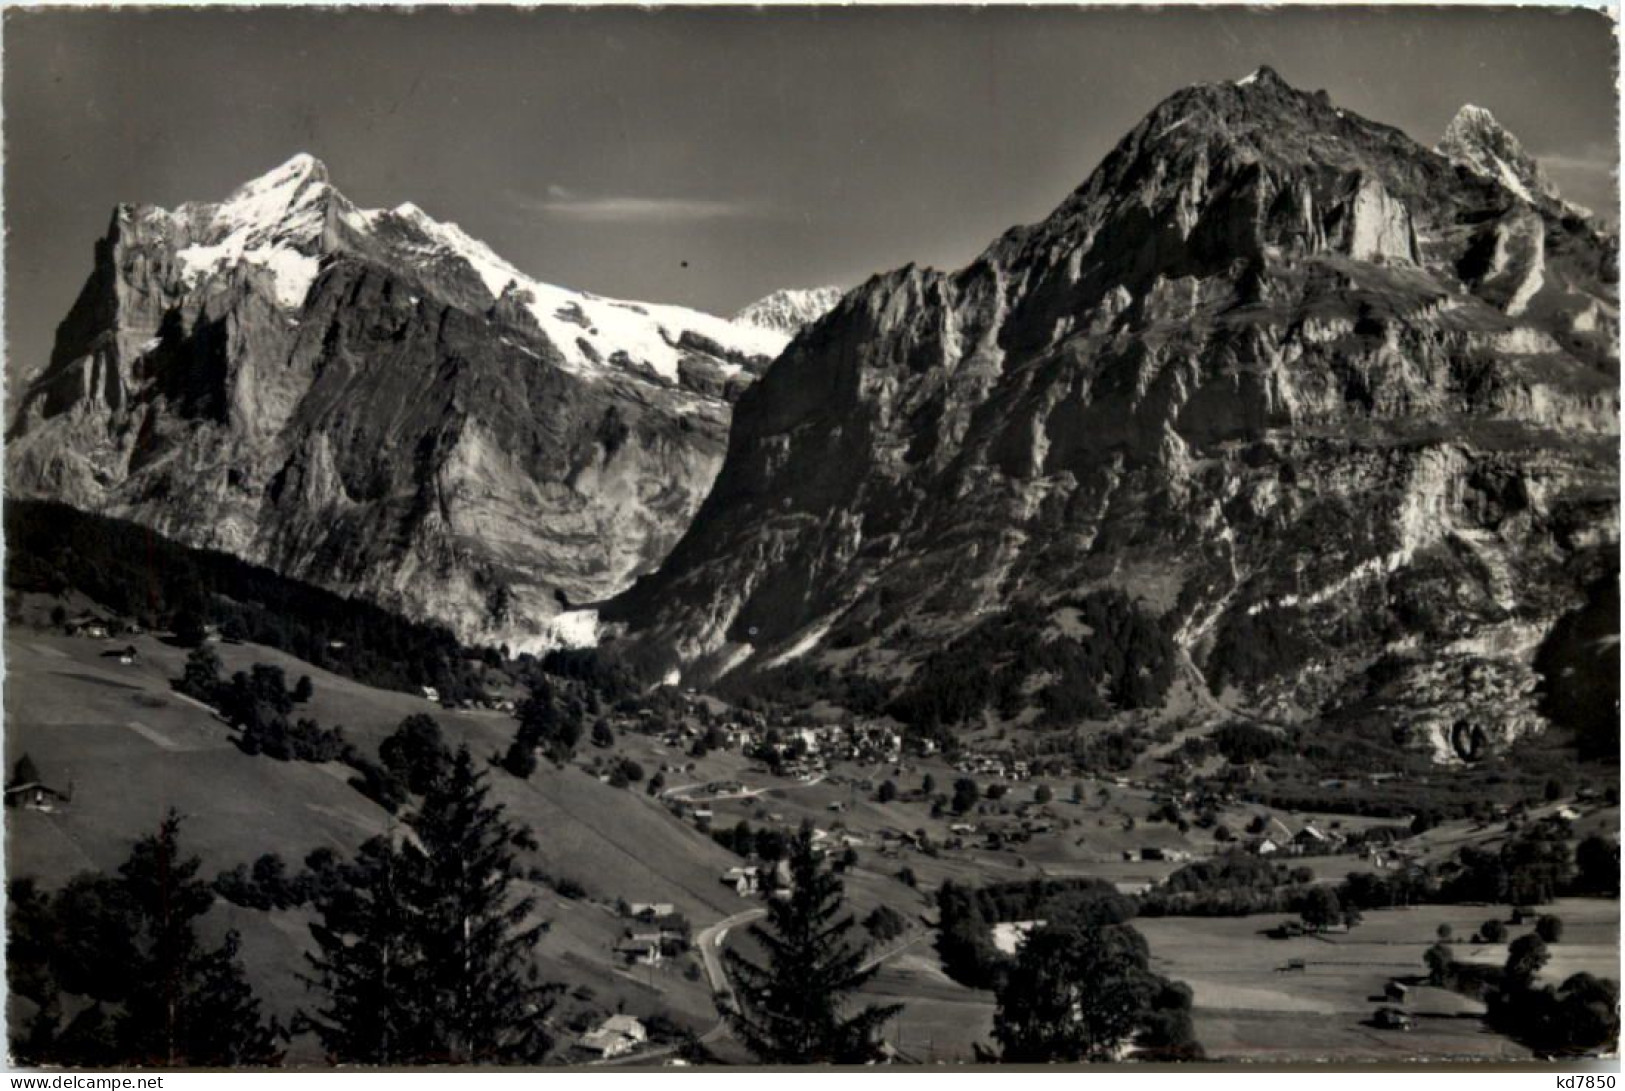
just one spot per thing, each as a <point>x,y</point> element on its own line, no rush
<point>1262,329</point>
<point>376,402</point>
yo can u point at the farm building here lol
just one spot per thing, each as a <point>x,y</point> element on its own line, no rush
<point>652,909</point>
<point>35,796</point>
<point>616,1036</point>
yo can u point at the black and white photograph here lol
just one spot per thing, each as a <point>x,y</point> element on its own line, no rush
<point>760,538</point>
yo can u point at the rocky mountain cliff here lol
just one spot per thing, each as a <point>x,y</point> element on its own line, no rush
<point>1335,414</point>
<point>789,310</point>
<point>375,402</point>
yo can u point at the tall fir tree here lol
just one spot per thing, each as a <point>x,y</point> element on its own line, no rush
<point>195,1007</point>
<point>367,963</point>
<point>478,935</point>
<point>791,1009</point>
<point>427,954</point>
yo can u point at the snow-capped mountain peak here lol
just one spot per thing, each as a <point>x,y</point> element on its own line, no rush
<point>231,365</point>
<point>587,329</point>
<point>285,220</point>
<point>1482,144</point>
<point>788,310</point>
<point>276,221</point>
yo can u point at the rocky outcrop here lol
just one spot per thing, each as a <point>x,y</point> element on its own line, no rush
<point>375,402</point>
<point>1262,372</point>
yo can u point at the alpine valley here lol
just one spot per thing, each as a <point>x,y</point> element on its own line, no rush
<point>412,663</point>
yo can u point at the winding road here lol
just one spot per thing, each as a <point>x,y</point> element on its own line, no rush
<point>708,941</point>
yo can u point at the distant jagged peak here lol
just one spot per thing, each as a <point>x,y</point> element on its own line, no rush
<point>789,310</point>
<point>274,196</point>
<point>1262,76</point>
<point>1476,140</point>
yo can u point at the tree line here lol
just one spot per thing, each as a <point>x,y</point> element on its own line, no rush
<point>139,574</point>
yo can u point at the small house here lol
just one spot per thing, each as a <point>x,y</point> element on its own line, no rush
<point>34,796</point>
<point>615,1036</point>
<point>89,625</point>
<point>653,910</point>
<point>744,880</point>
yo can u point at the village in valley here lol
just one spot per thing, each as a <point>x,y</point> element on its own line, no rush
<point>645,924</point>
<point>1039,535</point>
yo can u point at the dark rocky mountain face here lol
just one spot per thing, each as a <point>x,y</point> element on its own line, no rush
<point>1336,414</point>
<point>375,402</point>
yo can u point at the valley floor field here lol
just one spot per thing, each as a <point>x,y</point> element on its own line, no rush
<point>129,747</point>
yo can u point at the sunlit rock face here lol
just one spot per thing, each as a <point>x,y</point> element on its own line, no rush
<point>1337,410</point>
<point>376,402</point>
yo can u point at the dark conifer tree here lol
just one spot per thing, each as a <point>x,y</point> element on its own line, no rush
<point>427,952</point>
<point>478,937</point>
<point>367,963</point>
<point>792,1009</point>
<point>24,772</point>
<point>130,945</point>
<point>194,1006</point>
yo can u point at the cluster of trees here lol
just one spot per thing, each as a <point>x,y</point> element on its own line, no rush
<point>51,548</point>
<point>1578,1016</point>
<point>766,843</point>
<point>1580,665</point>
<point>410,761</point>
<point>122,954</point>
<point>1082,990</point>
<point>967,916</point>
<point>885,923</point>
<point>1232,884</point>
<point>259,703</point>
<point>593,669</point>
<point>551,721</point>
<point>1252,648</point>
<point>799,684</point>
<point>1110,751</point>
<point>1125,661</point>
<point>268,884</point>
<point>1530,868</point>
<point>1241,742</point>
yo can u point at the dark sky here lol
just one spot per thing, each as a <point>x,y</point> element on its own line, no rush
<point>601,149</point>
